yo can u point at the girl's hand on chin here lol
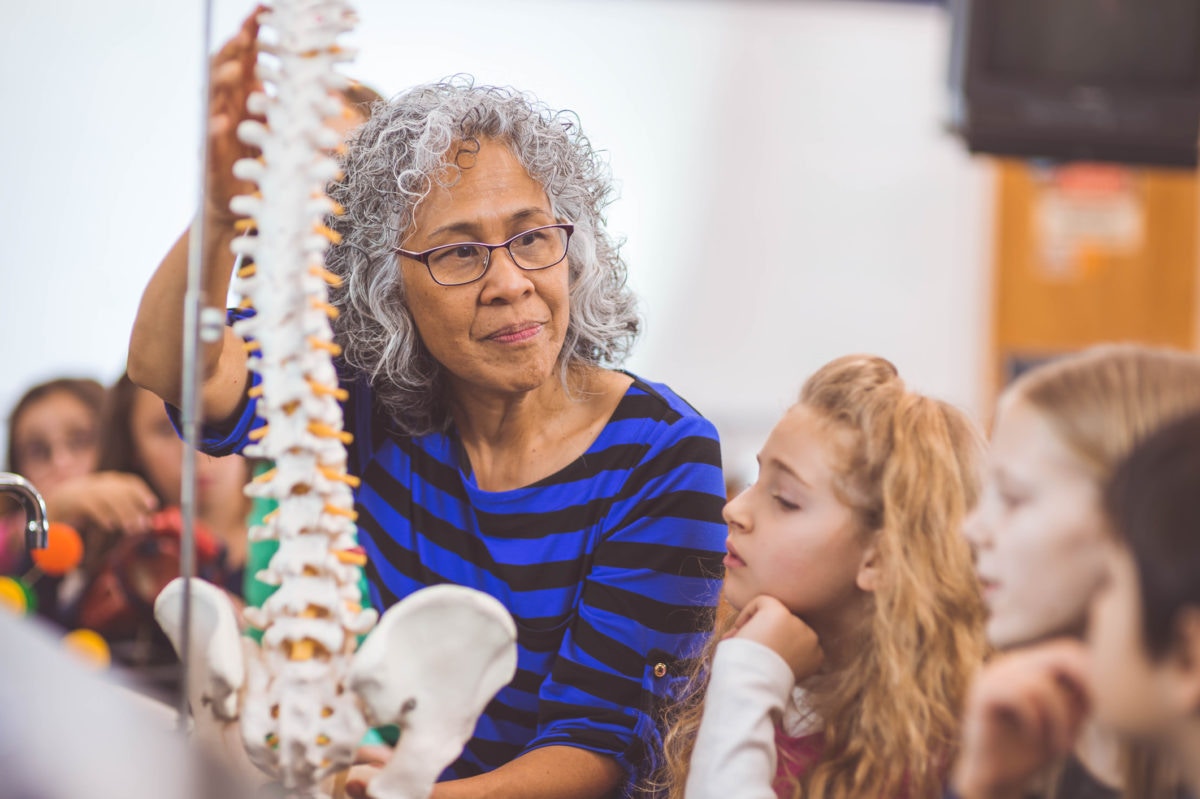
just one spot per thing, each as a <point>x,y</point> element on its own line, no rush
<point>1024,710</point>
<point>767,621</point>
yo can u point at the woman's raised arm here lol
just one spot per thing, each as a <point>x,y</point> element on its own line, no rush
<point>156,344</point>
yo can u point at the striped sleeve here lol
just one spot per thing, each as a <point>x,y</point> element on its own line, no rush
<point>232,438</point>
<point>645,603</point>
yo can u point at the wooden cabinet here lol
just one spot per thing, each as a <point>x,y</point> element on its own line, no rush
<point>1090,253</point>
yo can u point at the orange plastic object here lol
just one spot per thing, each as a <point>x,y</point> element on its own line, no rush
<point>63,553</point>
<point>89,645</point>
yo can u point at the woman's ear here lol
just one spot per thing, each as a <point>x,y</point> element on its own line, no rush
<point>1185,661</point>
<point>868,576</point>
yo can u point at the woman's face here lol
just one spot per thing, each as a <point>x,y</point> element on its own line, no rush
<point>55,440</point>
<point>790,536</point>
<point>503,333</point>
<point>1037,531</point>
<point>159,452</point>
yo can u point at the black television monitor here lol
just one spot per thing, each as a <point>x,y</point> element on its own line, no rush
<point>1091,80</point>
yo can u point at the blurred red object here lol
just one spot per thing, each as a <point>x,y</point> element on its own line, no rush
<point>120,598</point>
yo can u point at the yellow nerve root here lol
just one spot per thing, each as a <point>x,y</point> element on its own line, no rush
<point>329,233</point>
<point>322,430</point>
<point>329,310</point>
<point>325,274</point>
<point>334,510</point>
<point>340,477</point>
<point>266,476</point>
<point>321,344</point>
<point>320,389</point>
<point>354,557</point>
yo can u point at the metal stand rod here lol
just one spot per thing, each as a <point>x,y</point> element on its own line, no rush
<point>192,378</point>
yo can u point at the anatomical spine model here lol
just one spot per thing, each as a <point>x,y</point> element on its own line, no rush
<point>303,700</point>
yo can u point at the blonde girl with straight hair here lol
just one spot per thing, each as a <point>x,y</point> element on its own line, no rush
<point>859,619</point>
<point>1039,534</point>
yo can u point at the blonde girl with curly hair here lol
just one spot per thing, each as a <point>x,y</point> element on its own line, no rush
<point>859,621</point>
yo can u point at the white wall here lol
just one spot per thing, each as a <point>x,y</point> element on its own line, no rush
<point>786,191</point>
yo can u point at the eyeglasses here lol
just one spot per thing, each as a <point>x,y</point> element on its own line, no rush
<point>467,261</point>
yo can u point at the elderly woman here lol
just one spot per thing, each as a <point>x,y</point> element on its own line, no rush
<point>482,300</point>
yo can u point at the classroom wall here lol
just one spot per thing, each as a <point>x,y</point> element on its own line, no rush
<point>787,191</point>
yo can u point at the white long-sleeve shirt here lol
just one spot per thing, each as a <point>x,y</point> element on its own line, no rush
<point>750,686</point>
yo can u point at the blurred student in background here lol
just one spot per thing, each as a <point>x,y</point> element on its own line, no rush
<point>1143,673</point>
<point>1060,432</point>
<point>54,442</point>
<point>138,440</point>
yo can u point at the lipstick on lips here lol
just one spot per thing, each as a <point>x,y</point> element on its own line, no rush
<point>514,334</point>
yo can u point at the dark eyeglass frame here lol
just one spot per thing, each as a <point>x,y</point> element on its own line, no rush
<point>424,255</point>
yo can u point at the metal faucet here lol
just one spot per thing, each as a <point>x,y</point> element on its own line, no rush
<point>36,525</point>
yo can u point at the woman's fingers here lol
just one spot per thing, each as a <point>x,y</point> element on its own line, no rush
<point>226,76</point>
<point>368,760</point>
<point>248,36</point>
<point>375,755</point>
<point>356,787</point>
<point>232,80</point>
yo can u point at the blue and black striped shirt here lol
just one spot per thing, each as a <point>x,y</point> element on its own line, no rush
<point>609,567</point>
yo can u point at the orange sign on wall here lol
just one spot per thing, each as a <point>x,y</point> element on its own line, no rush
<point>1091,253</point>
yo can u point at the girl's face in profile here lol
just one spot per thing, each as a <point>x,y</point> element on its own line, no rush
<point>55,440</point>
<point>1037,531</point>
<point>790,535</point>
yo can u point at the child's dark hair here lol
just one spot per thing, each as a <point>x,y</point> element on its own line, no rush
<point>1153,505</point>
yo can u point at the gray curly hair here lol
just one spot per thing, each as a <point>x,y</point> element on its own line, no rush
<point>392,163</point>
